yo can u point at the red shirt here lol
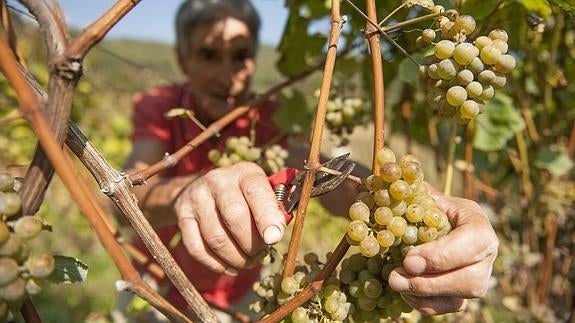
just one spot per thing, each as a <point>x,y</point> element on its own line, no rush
<point>149,122</point>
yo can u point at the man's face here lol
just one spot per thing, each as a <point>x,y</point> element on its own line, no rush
<point>219,65</point>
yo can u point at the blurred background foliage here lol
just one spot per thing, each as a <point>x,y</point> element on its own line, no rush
<point>523,144</point>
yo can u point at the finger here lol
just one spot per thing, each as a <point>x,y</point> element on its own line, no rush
<point>267,215</point>
<point>212,230</point>
<point>468,282</point>
<point>236,216</point>
<point>471,241</point>
<point>197,248</point>
<point>436,304</point>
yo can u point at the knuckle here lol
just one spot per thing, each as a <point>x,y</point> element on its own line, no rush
<point>217,242</point>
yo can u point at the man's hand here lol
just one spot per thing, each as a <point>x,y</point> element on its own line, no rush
<point>229,216</point>
<point>439,276</point>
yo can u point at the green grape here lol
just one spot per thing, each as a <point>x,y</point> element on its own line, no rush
<point>506,64</point>
<point>432,71</point>
<point>9,270</point>
<point>374,265</point>
<point>357,230</point>
<point>414,213</point>
<point>427,234</point>
<point>331,304</point>
<point>465,23</point>
<point>464,77</point>
<point>487,94</point>
<point>340,314</point>
<point>499,81</point>
<point>355,288</point>
<point>359,211</point>
<point>214,155</point>
<point>384,155</point>
<point>444,49</point>
<point>486,76</point>
<point>412,172</point>
<point>476,66</point>
<point>34,286</point>
<point>9,203</point>
<point>428,35</point>
<point>382,197</point>
<point>432,217</point>
<point>399,189</point>
<point>373,183</point>
<point>410,235</point>
<point>235,158</point>
<point>311,258</point>
<point>464,53</point>
<point>397,226</point>
<point>498,34</point>
<point>11,247</point>
<point>482,41</point>
<point>244,141</point>
<point>365,303</point>
<point>501,45</point>
<point>347,276</point>
<point>40,266</point>
<point>474,89</point>
<point>398,207</point>
<point>232,143</point>
<point>28,227</point>
<point>369,246</point>
<point>438,9</point>
<point>14,291</point>
<point>6,182</point>
<point>348,112</point>
<point>289,285</point>
<point>372,288</point>
<point>385,238</point>
<point>456,95</point>
<point>4,232</point>
<point>390,172</point>
<point>469,109</point>
<point>490,54</point>
<point>382,215</point>
<point>447,69</point>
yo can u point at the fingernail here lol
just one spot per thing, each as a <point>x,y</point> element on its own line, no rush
<point>272,234</point>
<point>398,283</point>
<point>415,265</point>
<point>231,272</point>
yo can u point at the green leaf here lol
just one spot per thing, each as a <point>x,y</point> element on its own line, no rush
<point>567,5</point>
<point>540,6</point>
<point>408,71</point>
<point>68,270</point>
<point>555,160</point>
<point>292,115</point>
<point>497,124</point>
<point>479,9</point>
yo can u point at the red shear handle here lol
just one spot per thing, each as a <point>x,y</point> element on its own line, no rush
<point>285,177</point>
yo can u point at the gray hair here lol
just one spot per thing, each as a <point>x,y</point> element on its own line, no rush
<point>197,12</point>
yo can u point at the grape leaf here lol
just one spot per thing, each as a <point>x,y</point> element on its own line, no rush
<point>68,270</point>
<point>566,5</point>
<point>540,6</point>
<point>479,9</point>
<point>555,160</point>
<point>497,124</point>
<point>408,71</point>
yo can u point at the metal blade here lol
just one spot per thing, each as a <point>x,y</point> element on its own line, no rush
<point>333,182</point>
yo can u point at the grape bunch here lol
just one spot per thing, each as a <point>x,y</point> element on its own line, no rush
<point>392,215</point>
<point>21,274</point>
<point>237,149</point>
<point>344,114</point>
<point>462,75</point>
<point>330,305</point>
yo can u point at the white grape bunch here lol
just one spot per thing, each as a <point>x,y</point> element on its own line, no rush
<point>392,215</point>
<point>237,149</point>
<point>461,75</point>
<point>21,273</point>
<point>345,113</point>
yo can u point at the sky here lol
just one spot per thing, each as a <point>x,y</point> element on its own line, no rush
<point>153,19</point>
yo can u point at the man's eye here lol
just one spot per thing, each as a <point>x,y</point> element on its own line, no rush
<point>208,54</point>
<point>242,55</point>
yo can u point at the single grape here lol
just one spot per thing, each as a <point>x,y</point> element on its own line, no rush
<point>447,69</point>
<point>474,89</point>
<point>488,93</point>
<point>456,95</point>
<point>506,64</point>
<point>289,285</point>
<point>476,66</point>
<point>421,43</point>
<point>486,76</point>
<point>365,303</point>
<point>410,235</point>
<point>384,155</point>
<point>382,215</point>
<point>369,246</point>
<point>482,41</point>
<point>9,203</point>
<point>355,288</point>
<point>499,34</point>
<point>469,109</point>
<point>359,211</point>
<point>490,54</point>
<point>501,45</point>
<point>427,234</point>
<point>432,71</point>
<point>398,207</point>
<point>390,172</point>
<point>385,238</point>
<point>444,49</point>
<point>374,183</point>
<point>438,9</point>
<point>346,276</point>
<point>6,182</point>
<point>414,213</point>
<point>464,77</point>
<point>40,266</point>
<point>14,291</point>
<point>331,304</point>
<point>428,35</point>
<point>465,23</point>
<point>399,189</point>
<point>4,232</point>
<point>28,227</point>
<point>412,172</point>
<point>432,217</point>
<point>397,226</point>
<point>11,247</point>
<point>372,288</point>
<point>499,81</point>
<point>464,53</point>
<point>9,270</point>
<point>357,230</point>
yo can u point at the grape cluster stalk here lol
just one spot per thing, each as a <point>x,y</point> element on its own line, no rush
<point>21,273</point>
<point>461,75</point>
<point>238,149</point>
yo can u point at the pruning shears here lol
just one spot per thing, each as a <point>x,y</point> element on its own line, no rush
<point>287,183</point>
